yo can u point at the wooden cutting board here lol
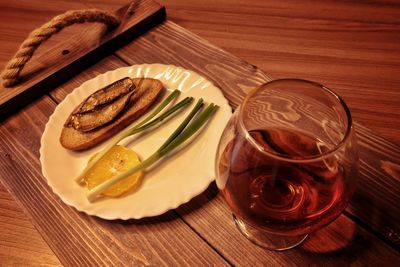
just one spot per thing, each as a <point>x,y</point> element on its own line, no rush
<point>89,42</point>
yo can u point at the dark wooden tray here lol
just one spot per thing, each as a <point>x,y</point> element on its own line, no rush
<point>55,64</point>
<point>200,232</point>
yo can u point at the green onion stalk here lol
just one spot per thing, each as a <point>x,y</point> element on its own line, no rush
<point>145,124</point>
<point>185,130</point>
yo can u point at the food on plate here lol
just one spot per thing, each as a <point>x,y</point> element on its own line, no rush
<point>107,111</point>
<point>190,125</point>
<point>151,120</point>
<point>102,106</point>
<point>117,160</point>
<point>116,169</point>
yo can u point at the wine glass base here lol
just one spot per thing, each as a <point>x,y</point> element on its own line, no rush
<point>268,240</point>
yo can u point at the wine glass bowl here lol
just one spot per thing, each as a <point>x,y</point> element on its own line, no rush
<point>287,162</point>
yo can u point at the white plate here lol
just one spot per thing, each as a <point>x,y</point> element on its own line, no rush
<point>174,181</point>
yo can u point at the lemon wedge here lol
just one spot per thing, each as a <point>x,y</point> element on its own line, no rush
<point>117,160</point>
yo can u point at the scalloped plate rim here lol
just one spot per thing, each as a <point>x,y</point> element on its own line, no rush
<point>174,203</point>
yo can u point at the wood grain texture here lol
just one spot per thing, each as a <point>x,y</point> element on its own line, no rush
<point>350,46</point>
<point>207,214</point>
<point>376,200</point>
<point>233,75</point>
<point>380,188</point>
<point>78,239</point>
<point>147,49</point>
<point>285,39</point>
<point>20,243</point>
<point>353,47</point>
<point>342,243</point>
<point>87,44</point>
<point>107,64</point>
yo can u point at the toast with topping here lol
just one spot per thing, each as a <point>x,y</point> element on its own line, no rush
<point>107,111</point>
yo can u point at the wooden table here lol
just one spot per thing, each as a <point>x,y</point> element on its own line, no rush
<point>352,47</point>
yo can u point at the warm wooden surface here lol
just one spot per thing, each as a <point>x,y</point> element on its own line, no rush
<point>353,47</point>
<point>284,39</point>
<point>178,236</point>
<point>91,42</point>
<point>15,230</point>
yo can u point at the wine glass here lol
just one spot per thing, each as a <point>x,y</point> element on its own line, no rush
<point>287,162</point>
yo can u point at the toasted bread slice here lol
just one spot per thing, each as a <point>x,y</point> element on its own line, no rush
<point>146,92</point>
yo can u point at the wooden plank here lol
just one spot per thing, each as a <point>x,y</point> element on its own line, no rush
<point>345,252</point>
<point>107,64</point>
<point>77,239</point>
<point>353,47</point>
<point>21,244</point>
<point>376,200</point>
<point>77,52</point>
<point>342,243</point>
<point>14,18</point>
<point>235,78</point>
<point>208,215</point>
<point>169,43</point>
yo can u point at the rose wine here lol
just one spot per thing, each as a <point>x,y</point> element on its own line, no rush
<point>272,191</point>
